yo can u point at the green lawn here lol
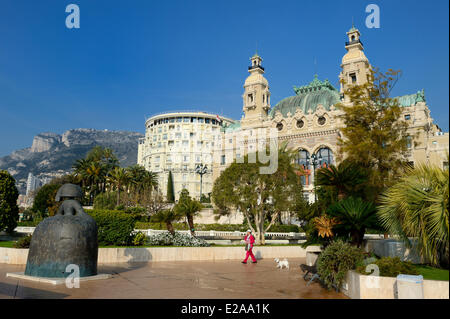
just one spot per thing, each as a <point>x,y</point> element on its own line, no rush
<point>432,273</point>
<point>8,244</point>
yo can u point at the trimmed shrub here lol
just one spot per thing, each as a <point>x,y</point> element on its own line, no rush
<point>114,227</point>
<point>23,242</point>
<point>139,239</point>
<point>391,267</point>
<point>336,260</point>
<point>167,239</point>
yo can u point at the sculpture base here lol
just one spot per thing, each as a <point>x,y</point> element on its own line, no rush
<point>54,281</point>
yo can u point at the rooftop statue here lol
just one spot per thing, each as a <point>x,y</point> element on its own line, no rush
<point>69,237</point>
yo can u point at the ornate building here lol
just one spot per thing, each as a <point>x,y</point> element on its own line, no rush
<point>309,120</point>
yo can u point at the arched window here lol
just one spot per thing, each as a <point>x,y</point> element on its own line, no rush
<point>325,155</point>
<point>303,160</point>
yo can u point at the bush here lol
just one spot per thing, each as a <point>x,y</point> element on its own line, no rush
<point>23,242</point>
<point>167,239</point>
<point>114,227</point>
<point>391,267</point>
<point>139,239</point>
<point>335,261</point>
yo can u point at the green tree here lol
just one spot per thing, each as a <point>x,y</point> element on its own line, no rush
<point>118,178</point>
<point>170,192</point>
<point>346,178</point>
<point>354,216</point>
<point>44,203</point>
<point>188,207</point>
<point>258,196</point>
<point>374,133</point>
<point>417,206</point>
<point>168,216</point>
<point>9,211</point>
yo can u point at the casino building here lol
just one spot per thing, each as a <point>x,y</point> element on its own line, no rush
<point>308,120</point>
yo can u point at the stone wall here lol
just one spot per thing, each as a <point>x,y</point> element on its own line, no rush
<point>119,255</point>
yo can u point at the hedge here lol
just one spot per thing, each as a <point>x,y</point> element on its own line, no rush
<point>114,227</point>
<point>217,227</point>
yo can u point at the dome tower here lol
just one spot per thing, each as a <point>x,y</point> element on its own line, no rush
<point>256,97</point>
<point>355,65</point>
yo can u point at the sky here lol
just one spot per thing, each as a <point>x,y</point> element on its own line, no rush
<point>132,59</point>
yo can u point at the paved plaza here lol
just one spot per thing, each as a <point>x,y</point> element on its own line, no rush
<point>177,280</point>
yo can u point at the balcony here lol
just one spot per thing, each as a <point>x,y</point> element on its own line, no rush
<point>255,67</point>
<point>353,42</point>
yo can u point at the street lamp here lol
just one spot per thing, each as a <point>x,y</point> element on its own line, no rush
<point>201,170</point>
<point>314,160</point>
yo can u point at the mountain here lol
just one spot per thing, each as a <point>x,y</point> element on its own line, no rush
<point>53,155</point>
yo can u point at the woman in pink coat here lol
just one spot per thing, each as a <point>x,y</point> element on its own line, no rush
<point>249,241</point>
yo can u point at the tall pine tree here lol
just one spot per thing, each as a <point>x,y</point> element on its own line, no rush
<point>170,192</point>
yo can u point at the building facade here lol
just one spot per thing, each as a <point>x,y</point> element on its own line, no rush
<point>310,122</point>
<point>178,142</point>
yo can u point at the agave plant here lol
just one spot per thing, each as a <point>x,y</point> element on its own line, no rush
<point>324,225</point>
<point>355,216</point>
<point>417,206</point>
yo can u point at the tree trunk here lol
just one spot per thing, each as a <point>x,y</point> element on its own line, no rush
<point>191,224</point>
<point>170,228</point>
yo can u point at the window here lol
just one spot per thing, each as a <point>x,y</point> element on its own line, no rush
<point>222,160</point>
<point>185,158</point>
<point>186,119</point>
<point>353,77</point>
<point>193,120</point>
<point>172,120</point>
<point>250,98</point>
<point>200,119</point>
<point>409,142</point>
<point>445,165</point>
<point>300,123</point>
<point>327,156</point>
<point>280,126</point>
<point>303,158</point>
<point>164,136</point>
<point>407,117</point>
<point>207,121</point>
<point>178,119</point>
<point>322,120</point>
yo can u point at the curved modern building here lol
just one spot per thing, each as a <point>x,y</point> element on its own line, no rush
<point>178,142</point>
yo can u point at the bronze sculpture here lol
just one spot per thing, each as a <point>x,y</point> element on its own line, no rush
<point>69,237</point>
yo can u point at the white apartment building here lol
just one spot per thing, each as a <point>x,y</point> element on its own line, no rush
<point>179,142</point>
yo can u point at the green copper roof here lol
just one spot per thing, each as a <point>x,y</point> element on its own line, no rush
<point>411,99</point>
<point>352,29</point>
<point>231,127</point>
<point>308,97</point>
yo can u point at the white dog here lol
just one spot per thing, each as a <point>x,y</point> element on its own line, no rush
<point>282,263</point>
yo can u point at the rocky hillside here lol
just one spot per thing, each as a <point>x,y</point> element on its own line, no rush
<point>52,154</point>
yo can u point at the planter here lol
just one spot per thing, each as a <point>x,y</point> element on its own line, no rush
<point>359,286</point>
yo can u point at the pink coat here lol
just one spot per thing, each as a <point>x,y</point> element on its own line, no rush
<point>250,240</point>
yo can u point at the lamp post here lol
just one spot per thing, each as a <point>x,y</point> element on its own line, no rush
<point>314,160</point>
<point>201,170</point>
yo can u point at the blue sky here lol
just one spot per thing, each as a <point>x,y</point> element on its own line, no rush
<point>131,59</point>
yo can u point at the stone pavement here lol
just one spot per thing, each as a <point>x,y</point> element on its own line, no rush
<point>177,280</point>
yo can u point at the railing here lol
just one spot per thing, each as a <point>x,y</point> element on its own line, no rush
<point>213,233</point>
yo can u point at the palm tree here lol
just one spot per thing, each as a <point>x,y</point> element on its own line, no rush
<point>417,206</point>
<point>324,225</point>
<point>188,207</point>
<point>167,216</point>
<point>355,216</point>
<point>344,178</point>
<point>118,178</point>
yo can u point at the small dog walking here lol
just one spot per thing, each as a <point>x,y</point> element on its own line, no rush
<point>282,263</point>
